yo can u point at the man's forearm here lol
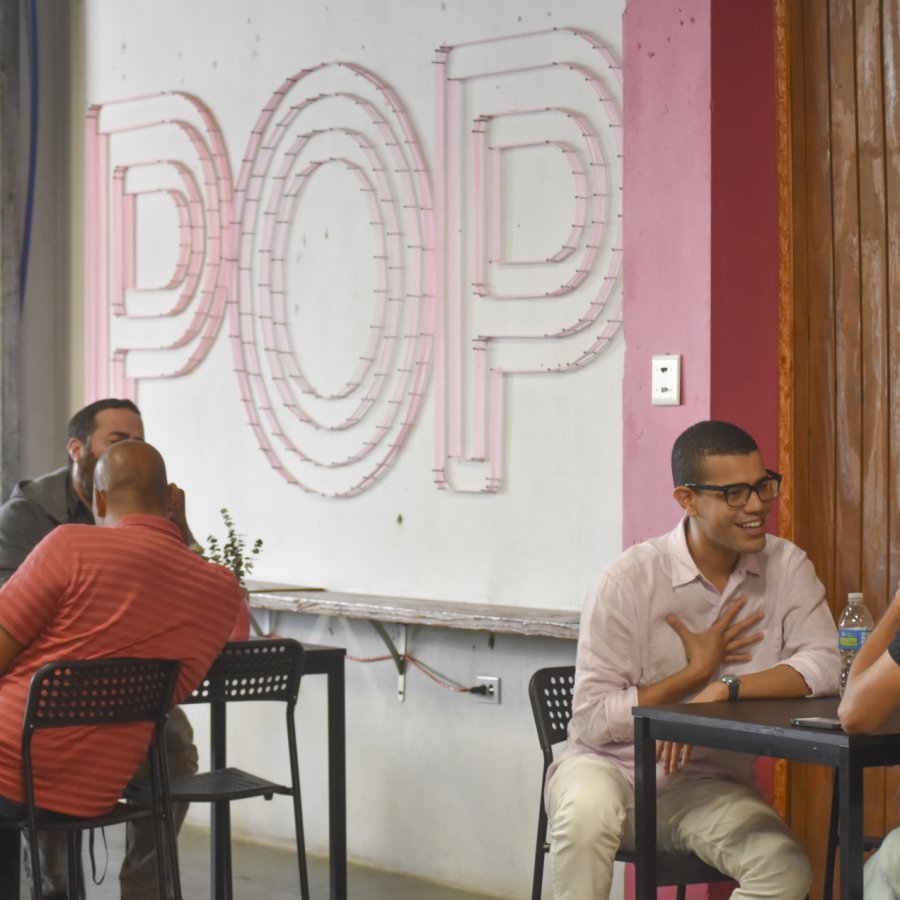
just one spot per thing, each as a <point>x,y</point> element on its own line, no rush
<point>673,689</point>
<point>873,690</point>
<point>879,639</point>
<point>779,681</point>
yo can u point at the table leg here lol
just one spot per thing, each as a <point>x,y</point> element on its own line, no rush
<point>644,811</point>
<point>221,851</point>
<point>337,782</point>
<point>850,793</point>
<point>220,813</point>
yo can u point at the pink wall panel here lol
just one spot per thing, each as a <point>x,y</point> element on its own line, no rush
<point>667,242</point>
<point>700,229</point>
<point>744,258</point>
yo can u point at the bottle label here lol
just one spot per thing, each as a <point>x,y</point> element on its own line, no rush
<point>852,638</point>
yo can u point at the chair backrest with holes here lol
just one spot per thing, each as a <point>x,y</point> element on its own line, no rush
<point>550,691</point>
<point>95,692</point>
<point>99,692</point>
<point>253,670</point>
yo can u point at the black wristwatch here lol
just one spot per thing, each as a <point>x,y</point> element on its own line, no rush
<point>733,683</point>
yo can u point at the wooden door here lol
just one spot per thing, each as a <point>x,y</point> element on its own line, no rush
<point>839,133</point>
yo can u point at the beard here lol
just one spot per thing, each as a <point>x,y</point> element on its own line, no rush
<point>84,475</point>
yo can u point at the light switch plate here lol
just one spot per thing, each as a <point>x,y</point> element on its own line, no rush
<point>665,383</point>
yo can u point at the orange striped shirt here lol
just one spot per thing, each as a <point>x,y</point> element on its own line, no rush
<point>87,592</point>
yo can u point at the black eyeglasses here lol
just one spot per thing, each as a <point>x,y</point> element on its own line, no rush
<point>738,495</point>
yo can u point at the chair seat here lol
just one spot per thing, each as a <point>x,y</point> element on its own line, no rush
<point>121,812</point>
<point>223,784</point>
<point>678,868</point>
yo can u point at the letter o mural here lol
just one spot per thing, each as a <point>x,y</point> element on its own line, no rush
<point>333,121</point>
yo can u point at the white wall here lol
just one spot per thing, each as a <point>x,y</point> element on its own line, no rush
<point>441,785</point>
<point>560,498</point>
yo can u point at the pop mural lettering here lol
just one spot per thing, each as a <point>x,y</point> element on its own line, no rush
<point>501,259</point>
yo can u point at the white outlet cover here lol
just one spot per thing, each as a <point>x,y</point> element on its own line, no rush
<point>665,382</point>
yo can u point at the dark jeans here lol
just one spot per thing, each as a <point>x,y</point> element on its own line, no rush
<point>10,845</point>
<point>9,848</point>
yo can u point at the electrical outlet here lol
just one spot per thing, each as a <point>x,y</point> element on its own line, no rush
<point>665,384</point>
<point>492,683</point>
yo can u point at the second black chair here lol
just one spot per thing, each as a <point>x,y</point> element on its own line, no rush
<point>550,691</point>
<point>245,671</point>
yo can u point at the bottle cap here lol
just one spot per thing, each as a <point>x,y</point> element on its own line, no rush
<point>854,597</point>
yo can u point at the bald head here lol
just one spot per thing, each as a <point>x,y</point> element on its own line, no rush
<point>130,478</point>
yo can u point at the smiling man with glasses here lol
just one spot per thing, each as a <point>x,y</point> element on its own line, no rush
<point>717,609</point>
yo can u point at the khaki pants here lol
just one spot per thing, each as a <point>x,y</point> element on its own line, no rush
<point>137,876</point>
<point>881,875</point>
<point>726,824</point>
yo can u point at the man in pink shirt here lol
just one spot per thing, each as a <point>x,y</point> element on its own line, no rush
<point>128,588</point>
<point>717,609</point>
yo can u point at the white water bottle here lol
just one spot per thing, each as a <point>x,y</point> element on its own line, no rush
<point>854,626</point>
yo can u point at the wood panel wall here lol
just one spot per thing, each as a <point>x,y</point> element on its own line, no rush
<point>840,389</point>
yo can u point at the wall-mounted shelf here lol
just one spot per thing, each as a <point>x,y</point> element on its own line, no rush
<point>521,620</point>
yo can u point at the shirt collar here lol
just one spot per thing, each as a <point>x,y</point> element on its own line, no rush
<point>684,569</point>
<point>156,523</point>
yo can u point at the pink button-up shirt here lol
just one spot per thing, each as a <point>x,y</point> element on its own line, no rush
<point>625,641</point>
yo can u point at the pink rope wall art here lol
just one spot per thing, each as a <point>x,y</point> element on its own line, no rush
<point>486,273</point>
<point>333,118</point>
<point>555,92</point>
<point>188,306</point>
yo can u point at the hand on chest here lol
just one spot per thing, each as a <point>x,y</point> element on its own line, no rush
<point>718,628</point>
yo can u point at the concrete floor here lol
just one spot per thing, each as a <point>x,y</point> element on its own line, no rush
<point>262,872</point>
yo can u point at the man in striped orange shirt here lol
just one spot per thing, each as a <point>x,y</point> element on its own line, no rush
<point>129,588</point>
<point>33,510</point>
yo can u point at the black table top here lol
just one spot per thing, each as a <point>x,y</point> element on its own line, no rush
<point>763,727</point>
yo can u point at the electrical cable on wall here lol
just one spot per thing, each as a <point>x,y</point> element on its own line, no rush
<point>435,676</point>
<point>442,680</point>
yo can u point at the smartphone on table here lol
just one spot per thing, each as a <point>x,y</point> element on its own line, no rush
<point>825,722</point>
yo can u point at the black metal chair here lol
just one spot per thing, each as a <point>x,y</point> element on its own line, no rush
<point>550,691</point>
<point>245,671</point>
<point>869,842</point>
<point>98,693</point>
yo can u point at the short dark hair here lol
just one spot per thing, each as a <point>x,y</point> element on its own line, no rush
<point>704,439</point>
<point>82,425</point>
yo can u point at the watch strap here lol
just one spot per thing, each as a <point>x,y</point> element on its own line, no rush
<point>733,683</point>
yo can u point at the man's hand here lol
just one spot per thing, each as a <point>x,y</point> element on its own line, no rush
<point>726,640</point>
<point>10,648</point>
<point>675,756</point>
<point>672,755</point>
<point>177,512</point>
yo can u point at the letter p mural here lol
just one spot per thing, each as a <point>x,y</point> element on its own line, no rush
<point>529,274</point>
